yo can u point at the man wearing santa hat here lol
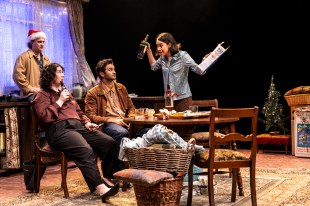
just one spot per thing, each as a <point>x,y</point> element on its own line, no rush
<point>26,73</point>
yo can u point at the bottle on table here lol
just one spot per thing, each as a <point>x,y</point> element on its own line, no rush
<point>143,47</point>
<point>169,102</point>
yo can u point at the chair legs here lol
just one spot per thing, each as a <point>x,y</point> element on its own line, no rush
<point>64,166</point>
<point>240,183</point>
<point>211,188</point>
<point>236,180</point>
<point>38,174</point>
<point>190,184</point>
<point>234,184</point>
<point>253,186</point>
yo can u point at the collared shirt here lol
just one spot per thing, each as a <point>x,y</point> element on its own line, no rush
<point>175,73</point>
<point>113,105</point>
<point>49,112</point>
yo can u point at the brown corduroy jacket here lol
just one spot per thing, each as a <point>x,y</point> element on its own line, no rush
<point>96,102</point>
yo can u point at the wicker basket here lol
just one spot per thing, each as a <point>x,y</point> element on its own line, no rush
<point>167,192</point>
<point>166,160</point>
<point>298,99</point>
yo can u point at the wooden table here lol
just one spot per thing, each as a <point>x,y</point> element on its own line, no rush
<point>181,123</point>
<point>175,123</point>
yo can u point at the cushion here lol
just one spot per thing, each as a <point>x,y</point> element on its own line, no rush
<point>298,90</point>
<point>202,136</point>
<point>142,177</point>
<point>222,155</point>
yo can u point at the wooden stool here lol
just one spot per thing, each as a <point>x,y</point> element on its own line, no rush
<point>265,139</point>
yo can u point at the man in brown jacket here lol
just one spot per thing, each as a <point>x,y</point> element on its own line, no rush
<point>26,73</point>
<point>109,102</point>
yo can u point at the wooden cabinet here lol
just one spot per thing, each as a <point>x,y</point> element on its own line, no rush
<point>2,133</point>
<point>25,142</point>
<point>153,102</point>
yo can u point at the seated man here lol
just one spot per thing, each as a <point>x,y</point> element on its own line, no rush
<point>109,102</point>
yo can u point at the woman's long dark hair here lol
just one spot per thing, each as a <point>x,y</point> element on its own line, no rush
<point>168,38</point>
<point>48,74</point>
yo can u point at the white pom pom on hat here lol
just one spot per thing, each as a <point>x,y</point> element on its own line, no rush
<point>35,34</point>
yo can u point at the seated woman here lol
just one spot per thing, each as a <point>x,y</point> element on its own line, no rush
<point>69,130</point>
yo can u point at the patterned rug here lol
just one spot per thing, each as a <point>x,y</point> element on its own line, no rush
<point>287,187</point>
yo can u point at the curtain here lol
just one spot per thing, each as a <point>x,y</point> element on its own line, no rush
<point>51,17</point>
<point>75,11</point>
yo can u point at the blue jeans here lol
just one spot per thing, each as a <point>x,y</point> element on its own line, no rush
<point>117,132</point>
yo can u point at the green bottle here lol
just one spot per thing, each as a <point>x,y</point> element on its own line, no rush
<point>143,47</point>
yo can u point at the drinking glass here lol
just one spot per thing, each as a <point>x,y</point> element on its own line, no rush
<point>193,108</point>
<point>139,113</point>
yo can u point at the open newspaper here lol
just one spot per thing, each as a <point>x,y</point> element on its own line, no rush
<point>215,54</point>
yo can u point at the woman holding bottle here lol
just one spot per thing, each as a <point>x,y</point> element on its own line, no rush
<point>175,65</point>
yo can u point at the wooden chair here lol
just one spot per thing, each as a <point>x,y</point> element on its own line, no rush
<point>213,158</point>
<point>45,154</point>
<point>202,137</point>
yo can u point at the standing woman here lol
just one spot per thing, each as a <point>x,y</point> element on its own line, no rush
<point>175,65</point>
<point>69,130</point>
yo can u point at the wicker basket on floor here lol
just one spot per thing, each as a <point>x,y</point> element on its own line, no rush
<point>167,192</point>
<point>166,160</point>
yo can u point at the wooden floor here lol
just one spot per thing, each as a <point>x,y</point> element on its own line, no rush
<point>13,184</point>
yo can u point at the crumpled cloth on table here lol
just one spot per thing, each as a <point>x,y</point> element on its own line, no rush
<point>157,134</point>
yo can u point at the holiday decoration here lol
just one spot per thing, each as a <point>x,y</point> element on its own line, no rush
<point>273,111</point>
<point>35,34</point>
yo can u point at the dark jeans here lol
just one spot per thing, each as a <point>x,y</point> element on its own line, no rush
<point>118,132</point>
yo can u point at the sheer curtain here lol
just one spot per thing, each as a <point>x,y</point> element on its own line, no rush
<point>75,11</point>
<point>17,17</point>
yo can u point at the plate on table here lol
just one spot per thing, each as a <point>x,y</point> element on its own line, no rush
<point>161,116</point>
<point>178,115</point>
<point>197,114</point>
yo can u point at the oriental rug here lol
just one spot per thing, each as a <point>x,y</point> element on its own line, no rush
<point>276,187</point>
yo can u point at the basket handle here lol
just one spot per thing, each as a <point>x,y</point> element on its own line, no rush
<point>191,144</point>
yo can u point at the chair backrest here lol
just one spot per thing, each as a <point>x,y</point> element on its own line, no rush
<point>40,141</point>
<point>205,104</point>
<point>35,128</point>
<point>247,135</point>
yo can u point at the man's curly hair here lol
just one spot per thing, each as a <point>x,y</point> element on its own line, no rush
<point>48,74</point>
<point>101,66</point>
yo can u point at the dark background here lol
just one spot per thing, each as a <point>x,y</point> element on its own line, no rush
<point>266,38</point>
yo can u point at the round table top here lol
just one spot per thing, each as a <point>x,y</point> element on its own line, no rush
<point>177,121</point>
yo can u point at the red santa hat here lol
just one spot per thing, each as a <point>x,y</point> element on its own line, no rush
<point>35,34</point>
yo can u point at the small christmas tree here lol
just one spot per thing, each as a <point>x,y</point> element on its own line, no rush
<point>273,111</point>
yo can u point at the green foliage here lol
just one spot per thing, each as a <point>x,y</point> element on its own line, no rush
<point>273,111</point>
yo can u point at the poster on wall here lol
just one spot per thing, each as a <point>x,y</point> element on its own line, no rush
<point>302,131</point>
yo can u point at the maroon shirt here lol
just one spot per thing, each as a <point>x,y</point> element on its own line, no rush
<point>48,111</point>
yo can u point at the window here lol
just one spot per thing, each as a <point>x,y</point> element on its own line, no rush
<point>17,17</point>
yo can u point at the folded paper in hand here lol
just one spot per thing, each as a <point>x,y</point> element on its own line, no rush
<point>215,54</point>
